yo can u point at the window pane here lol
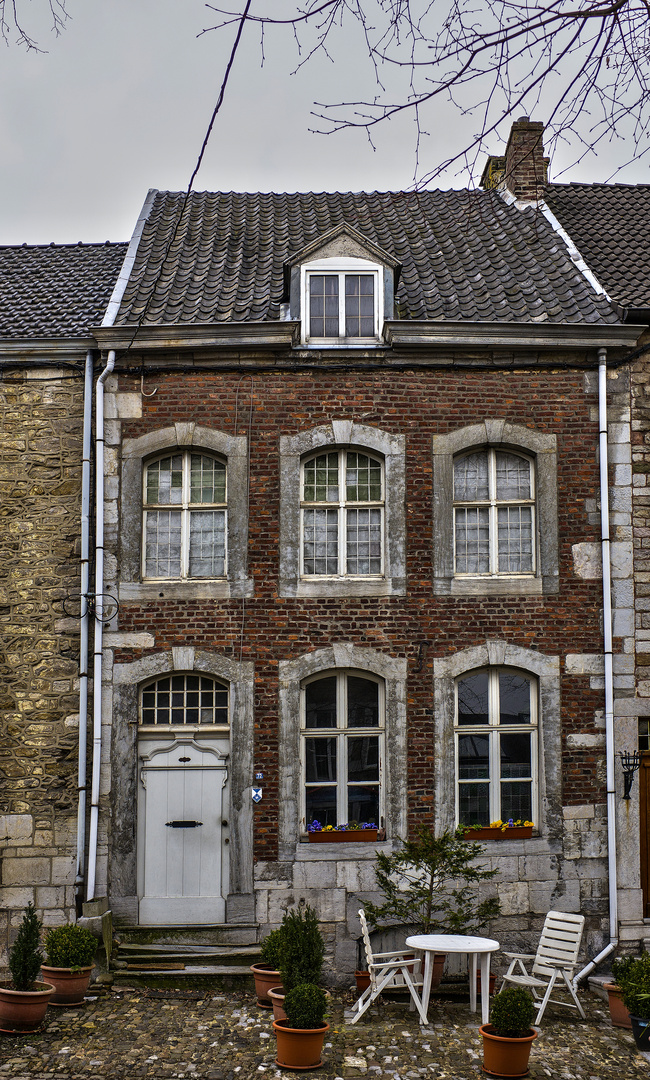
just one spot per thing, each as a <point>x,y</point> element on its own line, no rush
<point>321,542</point>
<point>363,702</point>
<point>320,703</point>
<point>321,805</point>
<point>363,804</point>
<point>207,480</point>
<point>188,706</point>
<point>207,543</point>
<point>321,479</point>
<point>320,760</point>
<point>515,528</point>
<point>513,477</point>
<point>516,802</point>
<point>514,698</point>
<point>363,540</point>
<point>363,758</point>
<point>363,479</point>
<point>473,757</point>
<point>324,305</point>
<point>359,305</point>
<point>474,804</point>
<point>472,540</point>
<point>163,543</point>
<point>471,477</point>
<point>515,755</point>
<point>165,480</point>
<point>473,699</point>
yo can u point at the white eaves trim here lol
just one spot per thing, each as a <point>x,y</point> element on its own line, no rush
<point>129,259</point>
<point>574,254</point>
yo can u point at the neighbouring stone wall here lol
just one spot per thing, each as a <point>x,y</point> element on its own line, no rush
<point>41,415</point>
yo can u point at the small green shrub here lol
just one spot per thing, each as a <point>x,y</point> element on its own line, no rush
<point>302,948</point>
<point>25,956</point>
<point>70,947</point>
<point>632,974</point>
<point>512,1013</point>
<point>305,1006</point>
<point>271,949</point>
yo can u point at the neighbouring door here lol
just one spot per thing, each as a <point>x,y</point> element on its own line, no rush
<point>183,831</point>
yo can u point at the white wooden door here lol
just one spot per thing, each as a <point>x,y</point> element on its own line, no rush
<point>183,831</point>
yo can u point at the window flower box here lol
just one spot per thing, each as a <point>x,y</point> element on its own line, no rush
<point>499,831</point>
<point>342,836</point>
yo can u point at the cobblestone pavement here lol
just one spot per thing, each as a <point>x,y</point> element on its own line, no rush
<point>137,1033</point>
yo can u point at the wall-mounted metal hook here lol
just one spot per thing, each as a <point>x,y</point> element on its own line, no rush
<point>422,646</point>
<point>143,391</point>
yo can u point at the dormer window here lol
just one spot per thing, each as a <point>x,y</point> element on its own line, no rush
<point>342,302</point>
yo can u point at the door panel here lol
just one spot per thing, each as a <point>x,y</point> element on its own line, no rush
<point>183,832</point>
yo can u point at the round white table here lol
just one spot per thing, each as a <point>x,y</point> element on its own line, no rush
<point>457,943</point>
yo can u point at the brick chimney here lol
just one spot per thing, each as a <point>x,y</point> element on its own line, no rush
<point>524,168</point>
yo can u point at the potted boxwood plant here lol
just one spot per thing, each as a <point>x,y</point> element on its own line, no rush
<point>618,1014</point>
<point>300,1037</point>
<point>508,1037</point>
<point>633,977</point>
<point>301,954</point>
<point>70,952</point>
<point>430,885</point>
<point>23,1001</point>
<point>267,972</point>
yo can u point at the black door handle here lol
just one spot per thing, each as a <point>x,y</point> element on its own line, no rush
<point>183,824</point>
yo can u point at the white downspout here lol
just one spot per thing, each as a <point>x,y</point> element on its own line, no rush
<point>85,621</point>
<point>99,625</point>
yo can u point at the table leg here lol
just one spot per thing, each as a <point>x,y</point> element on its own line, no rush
<point>485,988</point>
<point>472,981</point>
<point>426,986</point>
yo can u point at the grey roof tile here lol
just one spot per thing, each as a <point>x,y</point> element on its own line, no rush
<point>56,290</point>
<point>464,254</point>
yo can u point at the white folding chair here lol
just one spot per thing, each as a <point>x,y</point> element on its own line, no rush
<point>388,971</point>
<point>556,958</point>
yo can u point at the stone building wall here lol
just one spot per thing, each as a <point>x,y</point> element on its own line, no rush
<point>41,413</point>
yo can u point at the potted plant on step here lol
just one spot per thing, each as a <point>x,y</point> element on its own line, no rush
<point>618,1014</point>
<point>267,972</point>
<point>431,885</point>
<point>23,1001</point>
<point>633,977</point>
<point>70,952</point>
<point>300,1037</point>
<point>301,954</point>
<point>508,1037</point>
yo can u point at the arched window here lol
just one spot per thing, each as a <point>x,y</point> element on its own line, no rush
<point>496,746</point>
<point>343,745</point>
<point>494,513</point>
<point>183,700</point>
<point>342,514</point>
<point>184,517</point>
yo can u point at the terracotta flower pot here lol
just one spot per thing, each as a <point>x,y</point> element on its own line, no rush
<point>362,979</point>
<point>299,1048</point>
<point>23,1011</point>
<point>505,1057</point>
<point>70,984</point>
<point>618,1014</point>
<point>493,982</point>
<point>277,1000</point>
<point>265,979</point>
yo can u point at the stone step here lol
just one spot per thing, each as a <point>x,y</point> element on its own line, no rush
<point>189,954</point>
<point>191,977</point>
<point>212,935</point>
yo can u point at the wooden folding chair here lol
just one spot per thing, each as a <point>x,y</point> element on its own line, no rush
<point>556,959</point>
<point>388,971</point>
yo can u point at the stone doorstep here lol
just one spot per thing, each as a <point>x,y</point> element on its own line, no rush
<point>191,976</point>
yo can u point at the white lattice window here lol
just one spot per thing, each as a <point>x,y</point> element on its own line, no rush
<point>343,301</point>
<point>494,513</point>
<point>184,526</point>
<point>342,511</point>
<point>182,700</point>
<point>496,746</point>
<point>342,748</point>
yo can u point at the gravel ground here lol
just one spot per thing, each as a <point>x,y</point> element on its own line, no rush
<point>153,1035</point>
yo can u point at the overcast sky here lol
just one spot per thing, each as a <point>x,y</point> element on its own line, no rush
<point>121,100</point>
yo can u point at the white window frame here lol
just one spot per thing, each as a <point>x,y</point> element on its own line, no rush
<point>341,266</point>
<point>218,684</point>
<point>493,729</point>
<point>342,733</point>
<point>493,504</point>
<point>185,508</point>
<point>342,506</point>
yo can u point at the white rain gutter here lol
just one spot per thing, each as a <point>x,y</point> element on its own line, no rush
<point>609,669</point>
<point>99,624</point>
<point>85,621</point>
<point>109,319</point>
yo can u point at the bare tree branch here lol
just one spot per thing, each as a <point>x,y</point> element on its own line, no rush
<point>586,62</point>
<point>13,28</point>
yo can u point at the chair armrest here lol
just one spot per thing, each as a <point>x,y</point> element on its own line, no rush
<point>520,955</point>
